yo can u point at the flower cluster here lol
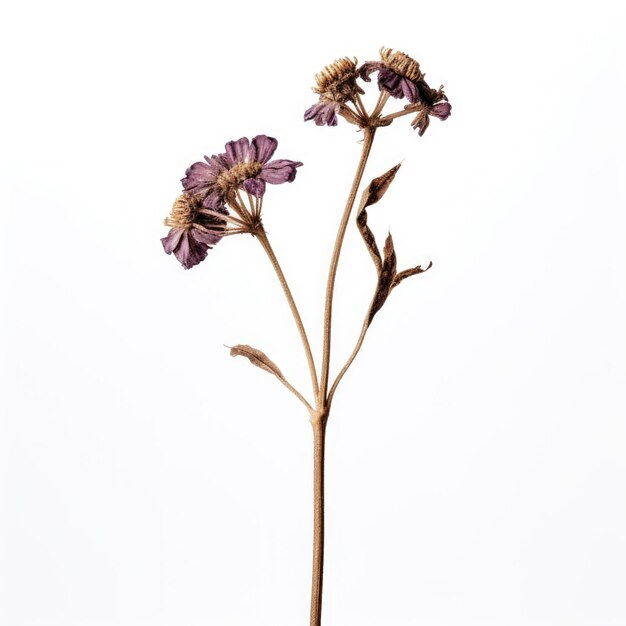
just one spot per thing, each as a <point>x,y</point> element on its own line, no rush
<point>399,76</point>
<point>212,205</point>
<point>200,217</point>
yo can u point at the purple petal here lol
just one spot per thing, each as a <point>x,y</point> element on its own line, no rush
<point>409,89</point>
<point>391,82</point>
<point>217,163</point>
<point>204,236</point>
<point>262,148</point>
<point>186,249</point>
<point>323,113</point>
<point>311,112</point>
<point>237,151</point>
<point>255,186</point>
<point>213,201</point>
<point>279,171</point>
<point>172,240</point>
<point>198,177</point>
<point>441,110</point>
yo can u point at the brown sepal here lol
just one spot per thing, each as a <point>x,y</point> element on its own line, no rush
<point>258,358</point>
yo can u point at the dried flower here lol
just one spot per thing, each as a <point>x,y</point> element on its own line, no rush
<point>245,165</point>
<point>336,84</point>
<point>435,103</point>
<point>398,74</point>
<point>193,231</point>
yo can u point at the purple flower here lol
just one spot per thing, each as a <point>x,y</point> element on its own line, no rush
<point>245,165</point>
<point>193,231</point>
<point>398,74</point>
<point>336,85</point>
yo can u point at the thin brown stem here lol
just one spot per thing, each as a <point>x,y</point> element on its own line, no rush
<point>332,272</point>
<point>393,116</point>
<point>360,107</point>
<point>382,100</point>
<point>319,443</point>
<point>351,358</point>
<point>264,241</point>
<point>222,216</point>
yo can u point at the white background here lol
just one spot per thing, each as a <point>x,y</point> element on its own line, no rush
<point>476,453</point>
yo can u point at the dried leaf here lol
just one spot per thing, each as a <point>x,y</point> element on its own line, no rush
<point>374,192</point>
<point>386,278</point>
<point>379,186</point>
<point>369,239</point>
<point>413,271</point>
<point>258,358</point>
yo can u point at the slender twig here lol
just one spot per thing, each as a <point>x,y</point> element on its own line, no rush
<point>297,394</point>
<point>407,111</point>
<point>222,216</point>
<point>360,107</point>
<point>264,241</point>
<point>332,272</point>
<point>382,100</point>
<point>351,358</point>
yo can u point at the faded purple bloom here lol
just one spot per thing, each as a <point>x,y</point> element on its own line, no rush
<point>336,84</point>
<point>245,165</point>
<point>398,74</point>
<point>324,113</point>
<point>440,110</point>
<point>193,231</point>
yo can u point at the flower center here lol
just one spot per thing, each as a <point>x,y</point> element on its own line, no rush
<point>233,178</point>
<point>183,212</point>
<point>337,81</point>
<point>401,64</point>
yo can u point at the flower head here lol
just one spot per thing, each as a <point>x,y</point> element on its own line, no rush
<point>434,103</point>
<point>398,74</point>
<point>245,165</point>
<point>336,84</point>
<point>193,231</point>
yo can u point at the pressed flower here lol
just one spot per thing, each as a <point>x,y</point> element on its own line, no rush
<point>434,103</point>
<point>336,84</point>
<point>398,74</point>
<point>193,230</point>
<point>245,165</point>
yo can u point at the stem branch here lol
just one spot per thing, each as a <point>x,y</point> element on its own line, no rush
<point>332,272</point>
<point>264,241</point>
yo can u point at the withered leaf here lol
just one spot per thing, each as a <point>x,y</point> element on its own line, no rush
<point>386,279</point>
<point>372,194</point>
<point>413,271</point>
<point>368,238</point>
<point>258,358</point>
<point>379,186</point>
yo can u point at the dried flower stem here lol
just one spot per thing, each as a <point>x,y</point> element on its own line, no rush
<point>332,272</point>
<point>319,436</point>
<point>264,241</point>
<point>319,419</point>
<point>351,358</point>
